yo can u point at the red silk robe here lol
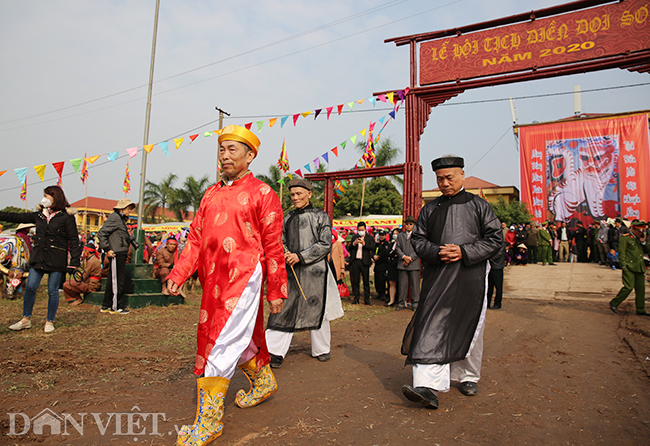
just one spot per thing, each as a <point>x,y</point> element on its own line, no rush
<point>236,226</point>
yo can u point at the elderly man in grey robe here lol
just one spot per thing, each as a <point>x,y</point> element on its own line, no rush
<point>455,236</point>
<point>313,299</point>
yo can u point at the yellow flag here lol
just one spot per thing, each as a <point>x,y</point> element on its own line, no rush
<point>363,133</point>
<point>92,159</point>
<point>390,97</point>
<point>272,122</point>
<point>360,101</point>
<point>305,114</point>
<point>178,142</point>
<point>40,170</point>
<point>148,148</point>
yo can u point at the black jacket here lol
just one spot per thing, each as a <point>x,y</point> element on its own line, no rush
<point>52,241</point>
<point>367,251</point>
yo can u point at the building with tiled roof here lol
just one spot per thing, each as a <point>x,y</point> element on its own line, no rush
<point>96,210</point>
<point>476,186</point>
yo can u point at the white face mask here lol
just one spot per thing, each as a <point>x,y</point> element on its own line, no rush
<point>46,203</point>
<point>394,236</point>
<point>361,233</point>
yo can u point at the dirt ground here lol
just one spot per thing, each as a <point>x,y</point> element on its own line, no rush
<point>554,372</point>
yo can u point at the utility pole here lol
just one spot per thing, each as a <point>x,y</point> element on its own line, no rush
<point>221,113</point>
<point>143,172</point>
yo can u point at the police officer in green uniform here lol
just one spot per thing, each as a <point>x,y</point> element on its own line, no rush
<point>544,241</point>
<point>630,256</point>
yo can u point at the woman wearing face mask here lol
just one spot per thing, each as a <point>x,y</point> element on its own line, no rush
<point>56,235</point>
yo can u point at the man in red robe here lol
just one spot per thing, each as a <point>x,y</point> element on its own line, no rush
<point>235,242</point>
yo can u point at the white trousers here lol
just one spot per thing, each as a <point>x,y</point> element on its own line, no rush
<point>438,376</point>
<point>279,342</point>
<point>235,344</point>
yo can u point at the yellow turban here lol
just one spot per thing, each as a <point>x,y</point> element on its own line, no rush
<point>240,134</point>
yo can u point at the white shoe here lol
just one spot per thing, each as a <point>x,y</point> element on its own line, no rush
<point>49,327</point>
<point>21,324</point>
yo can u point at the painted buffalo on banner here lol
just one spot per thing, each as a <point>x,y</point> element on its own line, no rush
<point>14,264</point>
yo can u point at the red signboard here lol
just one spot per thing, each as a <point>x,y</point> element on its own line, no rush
<point>594,33</point>
<point>586,170</point>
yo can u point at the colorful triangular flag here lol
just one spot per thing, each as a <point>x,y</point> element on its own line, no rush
<point>373,100</point>
<point>329,112</point>
<point>354,139</point>
<point>40,170</point>
<point>260,124</point>
<point>112,156</point>
<point>340,107</point>
<point>298,172</point>
<point>317,112</point>
<point>59,169</point>
<point>305,114</point>
<point>248,125</point>
<point>92,159</point>
<point>165,147</point>
<point>295,118</point>
<point>308,168</point>
<point>133,151</point>
<point>178,142</point>
<point>193,137</point>
<point>272,122</point>
<point>207,134</point>
<point>351,104</point>
<point>343,144</point>
<point>76,163</point>
<point>335,150</point>
<point>126,187</point>
<point>283,120</point>
<point>21,173</point>
<point>363,133</point>
<point>326,157</point>
<point>390,97</point>
<point>148,148</point>
<point>84,170</point>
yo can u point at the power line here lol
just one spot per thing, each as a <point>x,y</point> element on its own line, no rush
<point>268,45</point>
<point>490,149</point>
<point>365,111</point>
<point>275,59</point>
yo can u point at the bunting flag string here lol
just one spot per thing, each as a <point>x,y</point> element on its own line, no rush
<point>164,145</point>
<point>21,173</point>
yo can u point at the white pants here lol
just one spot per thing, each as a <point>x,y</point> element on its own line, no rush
<point>438,376</point>
<point>279,342</point>
<point>235,344</point>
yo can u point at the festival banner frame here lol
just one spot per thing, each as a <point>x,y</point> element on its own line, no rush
<point>586,169</point>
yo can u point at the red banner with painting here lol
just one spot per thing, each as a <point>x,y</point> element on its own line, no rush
<point>586,169</point>
<point>608,30</point>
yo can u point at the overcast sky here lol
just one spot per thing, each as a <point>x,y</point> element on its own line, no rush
<point>74,76</point>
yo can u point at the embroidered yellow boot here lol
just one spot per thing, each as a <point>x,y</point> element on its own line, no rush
<point>209,412</point>
<point>263,384</point>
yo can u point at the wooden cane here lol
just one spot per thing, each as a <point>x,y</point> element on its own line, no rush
<point>286,251</point>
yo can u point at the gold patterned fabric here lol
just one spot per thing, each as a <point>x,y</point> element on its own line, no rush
<point>209,412</point>
<point>263,384</point>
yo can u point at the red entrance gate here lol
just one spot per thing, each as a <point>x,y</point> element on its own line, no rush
<point>578,37</point>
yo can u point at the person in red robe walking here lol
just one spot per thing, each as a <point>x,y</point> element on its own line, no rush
<point>235,243</point>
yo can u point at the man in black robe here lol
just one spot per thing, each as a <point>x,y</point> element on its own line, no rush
<point>455,236</point>
<point>313,299</point>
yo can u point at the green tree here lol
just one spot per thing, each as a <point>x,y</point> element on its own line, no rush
<point>158,195</point>
<point>381,197</point>
<point>188,196</point>
<point>512,213</point>
<point>8,224</point>
<point>386,154</point>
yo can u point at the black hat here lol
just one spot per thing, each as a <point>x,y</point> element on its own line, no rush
<point>447,162</point>
<point>409,219</point>
<point>299,182</point>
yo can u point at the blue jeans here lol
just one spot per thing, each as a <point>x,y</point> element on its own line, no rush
<point>33,281</point>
